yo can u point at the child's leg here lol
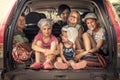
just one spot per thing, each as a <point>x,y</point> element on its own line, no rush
<point>59,64</point>
<point>36,64</point>
<point>37,57</point>
<point>50,58</point>
<point>88,41</point>
<point>80,65</point>
<point>53,46</point>
<point>48,63</point>
<point>42,58</point>
<point>72,63</point>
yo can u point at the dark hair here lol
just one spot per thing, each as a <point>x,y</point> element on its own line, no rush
<point>62,7</point>
<point>23,14</point>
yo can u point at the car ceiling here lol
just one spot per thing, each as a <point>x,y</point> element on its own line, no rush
<point>53,4</point>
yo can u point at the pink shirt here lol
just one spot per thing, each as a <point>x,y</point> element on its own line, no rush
<point>39,37</point>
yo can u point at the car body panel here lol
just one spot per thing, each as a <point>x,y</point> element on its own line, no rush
<point>116,23</point>
<point>6,10</point>
<point>87,74</point>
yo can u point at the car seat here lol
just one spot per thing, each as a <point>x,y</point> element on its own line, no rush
<point>31,28</point>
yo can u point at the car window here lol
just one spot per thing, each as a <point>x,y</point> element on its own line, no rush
<point>52,13</point>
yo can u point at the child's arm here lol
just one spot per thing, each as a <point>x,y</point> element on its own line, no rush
<point>80,32</point>
<point>54,48</point>
<point>37,46</point>
<point>61,53</point>
<point>57,51</point>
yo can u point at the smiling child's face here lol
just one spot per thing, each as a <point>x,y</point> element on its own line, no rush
<point>91,23</point>
<point>46,30</point>
<point>74,18</point>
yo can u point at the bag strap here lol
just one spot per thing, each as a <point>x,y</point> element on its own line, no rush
<point>101,60</point>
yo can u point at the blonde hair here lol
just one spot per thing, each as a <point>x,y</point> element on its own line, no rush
<point>78,14</point>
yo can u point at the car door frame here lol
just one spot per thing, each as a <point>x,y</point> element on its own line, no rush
<point>8,37</point>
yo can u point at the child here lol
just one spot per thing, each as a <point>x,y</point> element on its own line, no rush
<point>19,35</point>
<point>74,21</point>
<point>20,39</point>
<point>67,48</point>
<point>94,41</point>
<point>63,12</point>
<point>44,45</point>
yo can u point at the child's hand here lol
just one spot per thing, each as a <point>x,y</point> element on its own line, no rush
<point>46,52</point>
<point>79,51</point>
<point>77,57</point>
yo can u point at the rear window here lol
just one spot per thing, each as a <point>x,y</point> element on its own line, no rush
<point>52,13</point>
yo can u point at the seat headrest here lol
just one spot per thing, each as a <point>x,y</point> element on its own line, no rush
<point>34,17</point>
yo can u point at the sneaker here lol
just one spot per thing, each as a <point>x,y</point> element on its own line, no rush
<point>60,65</point>
<point>35,65</point>
<point>79,65</point>
<point>47,65</point>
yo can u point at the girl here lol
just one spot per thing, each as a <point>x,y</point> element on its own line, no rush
<point>44,45</point>
<point>74,21</point>
<point>63,12</point>
<point>67,48</point>
<point>94,41</point>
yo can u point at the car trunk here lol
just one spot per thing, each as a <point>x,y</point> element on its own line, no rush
<point>89,73</point>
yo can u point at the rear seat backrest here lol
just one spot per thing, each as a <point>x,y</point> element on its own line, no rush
<point>31,28</point>
<point>34,17</point>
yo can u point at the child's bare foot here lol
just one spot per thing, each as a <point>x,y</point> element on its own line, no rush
<point>79,65</point>
<point>60,65</point>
